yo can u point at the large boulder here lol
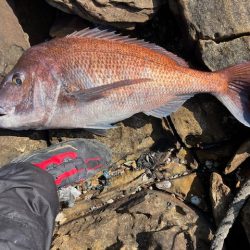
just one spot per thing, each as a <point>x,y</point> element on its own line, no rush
<point>121,13</point>
<point>221,29</point>
<point>13,41</point>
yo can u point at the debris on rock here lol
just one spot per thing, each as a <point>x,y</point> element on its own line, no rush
<point>146,216</point>
<point>68,195</point>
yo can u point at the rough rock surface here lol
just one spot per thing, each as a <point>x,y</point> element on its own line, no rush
<point>202,120</point>
<point>123,13</point>
<point>13,41</point>
<point>240,156</point>
<point>14,144</point>
<point>221,28</point>
<point>145,220</point>
<point>220,55</point>
<point>220,196</point>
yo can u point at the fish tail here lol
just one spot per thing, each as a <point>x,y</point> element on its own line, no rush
<point>236,98</point>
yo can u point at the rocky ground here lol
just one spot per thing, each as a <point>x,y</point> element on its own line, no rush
<point>172,180</point>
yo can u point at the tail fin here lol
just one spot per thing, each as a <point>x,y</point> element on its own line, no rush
<point>237,98</point>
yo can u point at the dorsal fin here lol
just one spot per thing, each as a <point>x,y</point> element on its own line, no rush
<point>111,35</point>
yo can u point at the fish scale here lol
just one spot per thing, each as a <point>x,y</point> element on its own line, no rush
<point>93,78</point>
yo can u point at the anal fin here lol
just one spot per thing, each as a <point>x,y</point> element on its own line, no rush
<point>170,107</point>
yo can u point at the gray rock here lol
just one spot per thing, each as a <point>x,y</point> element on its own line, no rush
<point>214,19</point>
<point>220,55</point>
<point>121,13</point>
<point>13,41</point>
<point>221,28</point>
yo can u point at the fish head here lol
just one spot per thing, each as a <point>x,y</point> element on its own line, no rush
<point>27,93</point>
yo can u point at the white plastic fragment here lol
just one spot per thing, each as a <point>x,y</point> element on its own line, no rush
<point>68,195</point>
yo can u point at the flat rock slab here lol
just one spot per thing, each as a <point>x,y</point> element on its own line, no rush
<point>145,220</point>
<point>14,144</point>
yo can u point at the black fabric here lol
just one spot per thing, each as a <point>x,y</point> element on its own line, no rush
<point>28,207</point>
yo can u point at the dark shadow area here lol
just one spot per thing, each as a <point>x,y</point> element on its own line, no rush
<point>32,134</point>
<point>163,138</point>
<point>169,33</point>
<point>36,18</point>
<point>237,238</point>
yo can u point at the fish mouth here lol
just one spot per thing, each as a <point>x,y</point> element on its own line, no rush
<point>2,112</point>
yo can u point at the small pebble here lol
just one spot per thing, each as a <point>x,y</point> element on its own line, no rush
<point>182,161</point>
<point>176,160</point>
<point>145,178</point>
<point>106,174</point>
<point>164,185</point>
<point>110,201</point>
<point>60,218</point>
<point>195,200</point>
<point>168,160</point>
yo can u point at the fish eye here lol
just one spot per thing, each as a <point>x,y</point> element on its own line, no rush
<point>17,79</point>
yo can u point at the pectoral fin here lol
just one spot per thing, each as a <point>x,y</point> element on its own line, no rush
<point>99,92</point>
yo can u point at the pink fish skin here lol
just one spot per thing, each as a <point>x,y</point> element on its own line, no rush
<point>93,78</point>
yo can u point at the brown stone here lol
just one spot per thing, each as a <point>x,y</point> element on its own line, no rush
<point>141,221</point>
<point>220,196</point>
<point>14,144</point>
<point>202,120</point>
<point>240,156</point>
<point>122,13</point>
<point>13,41</point>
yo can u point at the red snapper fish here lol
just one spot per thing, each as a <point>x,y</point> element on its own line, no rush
<point>94,78</point>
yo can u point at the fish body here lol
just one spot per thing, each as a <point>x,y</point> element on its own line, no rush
<point>91,79</point>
